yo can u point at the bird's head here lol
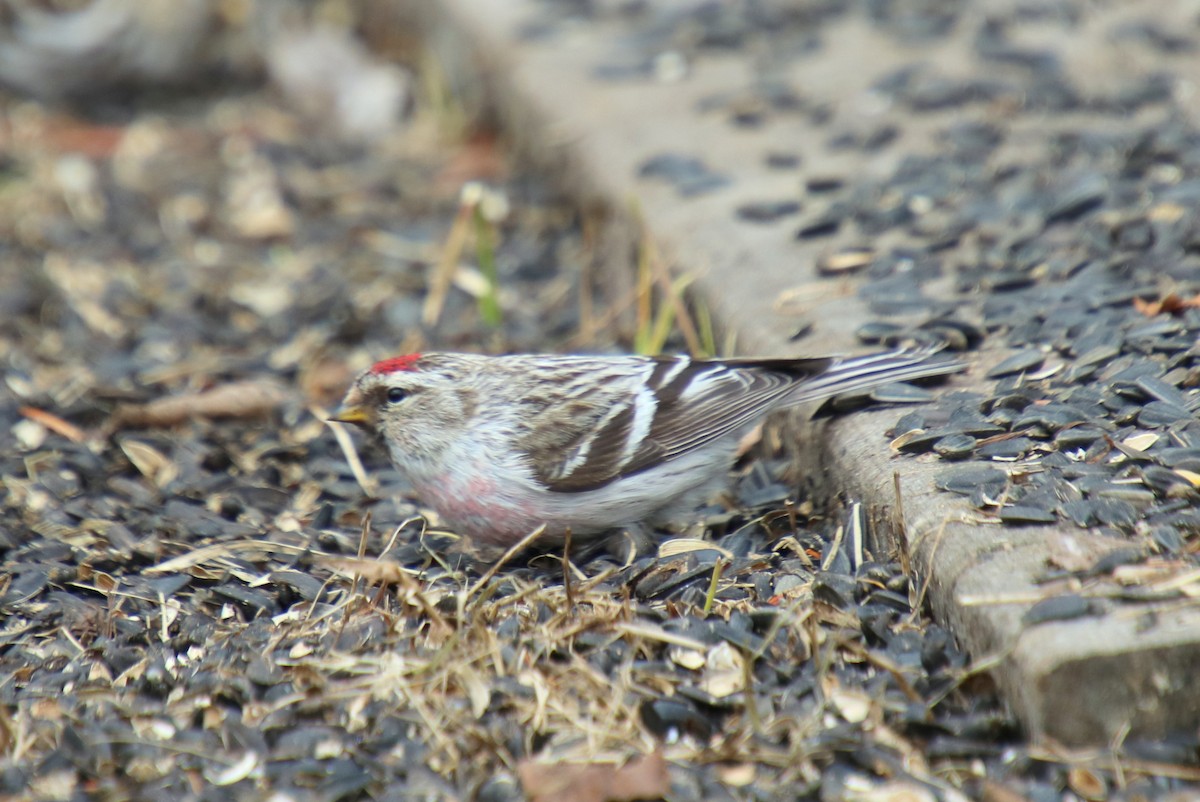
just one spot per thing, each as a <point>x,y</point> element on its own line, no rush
<point>418,404</point>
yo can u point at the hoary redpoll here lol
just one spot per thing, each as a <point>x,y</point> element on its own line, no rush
<point>499,445</point>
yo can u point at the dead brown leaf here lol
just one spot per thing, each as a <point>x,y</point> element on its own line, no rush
<point>641,778</point>
<point>1170,303</point>
<point>325,382</point>
<point>242,399</point>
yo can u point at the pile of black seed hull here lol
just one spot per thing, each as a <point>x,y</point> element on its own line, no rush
<point>216,610</point>
<point>213,608</point>
<point>1092,282</point>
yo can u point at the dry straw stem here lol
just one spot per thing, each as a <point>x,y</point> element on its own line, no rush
<point>588,331</point>
<point>513,550</point>
<point>585,714</point>
<point>54,423</point>
<point>900,530</point>
<point>572,702</point>
<point>218,550</point>
<point>480,700</point>
<point>654,328</point>
<point>1050,752</point>
<point>447,264</point>
<point>928,578</point>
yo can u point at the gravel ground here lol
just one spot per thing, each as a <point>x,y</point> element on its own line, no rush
<point>201,599</point>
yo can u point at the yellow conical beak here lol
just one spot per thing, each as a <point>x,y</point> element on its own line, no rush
<point>351,413</point>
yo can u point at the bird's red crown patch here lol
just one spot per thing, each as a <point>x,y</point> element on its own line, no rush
<point>395,364</point>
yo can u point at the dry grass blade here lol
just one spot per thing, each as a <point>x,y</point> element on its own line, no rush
<point>598,579</point>
<point>363,532</point>
<point>1053,753</point>
<point>447,266</point>
<point>386,573</point>
<point>654,633</point>
<point>928,576</point>
<point>881,661</point>
<point>396,534</point>
<point>673,294</point>
<point>900,530</point>
<point>218,550</point>
<point>54,423</point>
<point>587,333</point>
<point>714,583</point>
<point>504,558</point>
<point>368,485</point>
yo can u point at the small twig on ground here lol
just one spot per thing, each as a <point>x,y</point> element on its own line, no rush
<point>362,546</point>
<point>880,661</point>
<point>566,569</point>
<point>216,550</point>
<point>899,528</point>
<point>793,519</point>
<point>312,606</point>
<point>919,603</point>
<point>240,399</point>
<point>1050,752</point>
<point>982,665</point>
<point>54,423</point>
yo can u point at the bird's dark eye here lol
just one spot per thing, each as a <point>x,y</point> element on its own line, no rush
<point>396,394</point>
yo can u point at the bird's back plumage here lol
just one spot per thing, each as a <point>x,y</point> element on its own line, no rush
<point>636,413</point>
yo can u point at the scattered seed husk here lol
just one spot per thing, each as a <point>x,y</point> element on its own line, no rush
<point>844,260</point>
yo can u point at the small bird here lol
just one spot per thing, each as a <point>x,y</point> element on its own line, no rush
<point>500,445</point>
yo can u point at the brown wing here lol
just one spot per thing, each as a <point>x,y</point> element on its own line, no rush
<point>683,405</point>
<point>710,400</point>
<point>594,457</point>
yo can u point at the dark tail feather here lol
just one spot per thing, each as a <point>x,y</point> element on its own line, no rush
<point>860,373</point>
